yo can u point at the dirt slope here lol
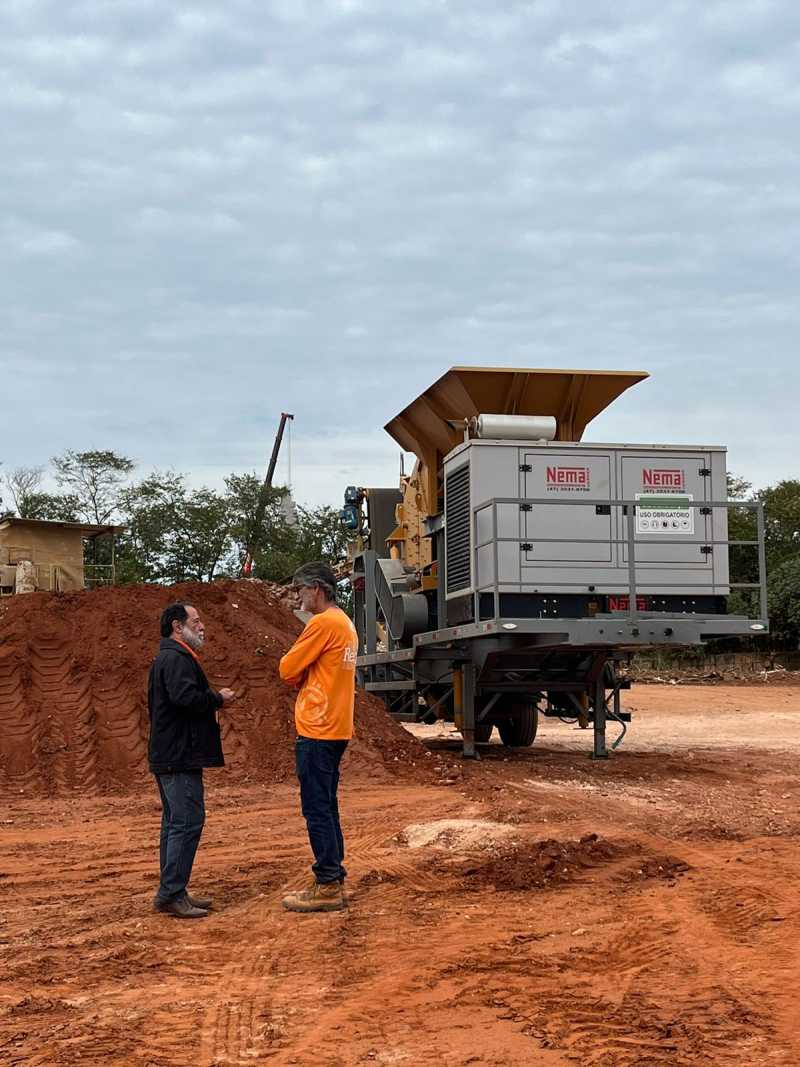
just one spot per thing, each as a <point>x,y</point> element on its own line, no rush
<point>73,677</point>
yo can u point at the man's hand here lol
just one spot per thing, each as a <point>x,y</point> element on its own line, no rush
<point>227,695</point>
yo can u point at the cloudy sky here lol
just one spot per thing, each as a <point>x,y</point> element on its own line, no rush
<point>215,212</point>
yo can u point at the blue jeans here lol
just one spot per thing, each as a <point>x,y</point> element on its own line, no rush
<point>183,814</point>
<point>318,772</point>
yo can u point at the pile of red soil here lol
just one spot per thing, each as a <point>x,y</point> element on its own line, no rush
<point>73,689</point>
<point>542,864</point>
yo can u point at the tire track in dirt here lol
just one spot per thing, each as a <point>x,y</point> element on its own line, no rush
<point>19,731</point>
<point>626,1009</point>
<point>642,991</point>
<point>65,700</point>
<point>735,899</point>
<point>375,855</point>
<point>121,729</point>
<point>250,1004</point>
<point>743,912</point>
<point>267,994</point>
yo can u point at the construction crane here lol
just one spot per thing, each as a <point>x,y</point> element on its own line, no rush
<point>263,496</point>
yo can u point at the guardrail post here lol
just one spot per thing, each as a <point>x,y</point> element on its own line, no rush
<point>762,564</point>
<point>496,589</point>
<point>476,595</point>
<point>633,614</point>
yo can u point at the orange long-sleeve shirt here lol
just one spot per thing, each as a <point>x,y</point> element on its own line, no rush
<point>322,662</point>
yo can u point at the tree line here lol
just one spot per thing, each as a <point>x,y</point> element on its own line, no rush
<point>782,546</point>
<point>173,532</point>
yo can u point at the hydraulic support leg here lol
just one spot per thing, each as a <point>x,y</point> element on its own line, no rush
<point>468,710</point>
<point>600,751</point>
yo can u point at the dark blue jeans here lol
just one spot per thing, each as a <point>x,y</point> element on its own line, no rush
<point>183,814</point>
<point>318,771</point>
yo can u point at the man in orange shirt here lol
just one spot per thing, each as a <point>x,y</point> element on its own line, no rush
<point>321,663</point>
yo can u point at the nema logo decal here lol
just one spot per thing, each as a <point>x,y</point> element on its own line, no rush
<point>578,477</point>
<point>657,478</point>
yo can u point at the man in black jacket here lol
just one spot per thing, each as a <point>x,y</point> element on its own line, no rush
<point>184,738</point>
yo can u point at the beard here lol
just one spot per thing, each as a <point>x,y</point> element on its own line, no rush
<point>192,639</point>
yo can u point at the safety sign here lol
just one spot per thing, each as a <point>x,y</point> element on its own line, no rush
<point>662,513</point>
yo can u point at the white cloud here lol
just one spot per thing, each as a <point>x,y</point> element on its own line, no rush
<point>320,206</point>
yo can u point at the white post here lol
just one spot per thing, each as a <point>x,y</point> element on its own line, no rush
<point>26,577</point>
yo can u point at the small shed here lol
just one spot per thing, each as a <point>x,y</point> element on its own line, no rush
<point>57,552</point>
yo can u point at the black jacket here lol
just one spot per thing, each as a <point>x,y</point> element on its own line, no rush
<point>184,733</point>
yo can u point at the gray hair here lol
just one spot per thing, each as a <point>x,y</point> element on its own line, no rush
<point>318,575</point>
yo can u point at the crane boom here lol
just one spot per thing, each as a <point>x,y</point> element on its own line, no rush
<point>263,496</point>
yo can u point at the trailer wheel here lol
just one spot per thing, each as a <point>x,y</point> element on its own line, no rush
<point>519,729</point>
<point>483,732</point>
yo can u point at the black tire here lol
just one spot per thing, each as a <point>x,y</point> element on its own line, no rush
<point>518,730</point>
<point>483,732</point>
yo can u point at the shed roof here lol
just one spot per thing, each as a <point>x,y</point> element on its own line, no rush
<point>87,529</point>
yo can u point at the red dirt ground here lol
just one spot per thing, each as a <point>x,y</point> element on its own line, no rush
<point>632,913</point>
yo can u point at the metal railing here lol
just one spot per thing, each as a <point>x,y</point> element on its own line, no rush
<point>630,540</point>
<point>95,574</point>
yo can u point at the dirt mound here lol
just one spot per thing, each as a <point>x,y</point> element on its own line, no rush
<point>542,864</point>
<point>73,688</point>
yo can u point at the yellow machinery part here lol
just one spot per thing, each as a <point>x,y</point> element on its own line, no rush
<point>458,695</point>
<point>408,541</point>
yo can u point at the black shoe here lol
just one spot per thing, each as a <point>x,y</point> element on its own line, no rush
<point>200,902</point>
<point>182,908</point>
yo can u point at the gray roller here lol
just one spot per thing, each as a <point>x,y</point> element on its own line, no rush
<point>516,427</point>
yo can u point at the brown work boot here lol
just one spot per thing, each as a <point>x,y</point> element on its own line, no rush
<point>200,902</point>
<point>182,908</point>
<point>326,897</point>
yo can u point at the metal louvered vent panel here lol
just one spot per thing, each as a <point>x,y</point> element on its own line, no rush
<point>457,521</point>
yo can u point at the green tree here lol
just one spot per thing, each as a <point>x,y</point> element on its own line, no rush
<point>315,534</point>
<point>95,479</point>
<point>782,537</point>
<point>784,600</point>
<point>30,502</point>
<point>288,536</point>
<point>173,534</point>
<point>743,559</point>
<point>57,507</point>
<point>782,520</point>
<point>243,491</point>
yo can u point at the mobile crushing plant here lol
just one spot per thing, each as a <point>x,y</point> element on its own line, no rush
<point>518,566</point>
